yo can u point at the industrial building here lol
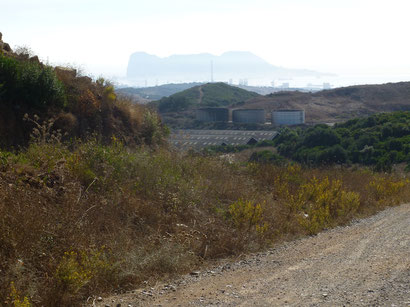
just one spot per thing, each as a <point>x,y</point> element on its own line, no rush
<point>250,116</point>
<point>197,139</point>
<point>288,117</point>
<point>212,114</point>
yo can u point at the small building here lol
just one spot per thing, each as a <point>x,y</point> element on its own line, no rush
<point>250,116</point>
<point>288,117</point>
<point>212,114</point>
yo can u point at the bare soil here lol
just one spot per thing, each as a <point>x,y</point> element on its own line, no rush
<point>366,263</point>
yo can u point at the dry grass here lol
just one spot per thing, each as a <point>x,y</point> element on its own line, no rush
<point>98,218</point>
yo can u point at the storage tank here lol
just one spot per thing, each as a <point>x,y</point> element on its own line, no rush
<point>212,114</point>
<point>288,117</point>
<point>254,116</point>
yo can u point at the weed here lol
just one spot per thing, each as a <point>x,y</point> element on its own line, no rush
<point>16,299</point>
<point>246,215</point>
<point>77,269</point>
<point>386,189</point>
<point>322,202</point>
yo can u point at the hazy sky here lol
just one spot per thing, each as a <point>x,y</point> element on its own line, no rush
<point>367,36</point>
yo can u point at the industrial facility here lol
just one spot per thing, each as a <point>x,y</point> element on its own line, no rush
<point>250,116</point>
<point>212,114</point>
<point>288,117</point>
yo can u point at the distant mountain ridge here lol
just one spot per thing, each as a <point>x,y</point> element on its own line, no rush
<point>197,67</point>
<point>145,94</point>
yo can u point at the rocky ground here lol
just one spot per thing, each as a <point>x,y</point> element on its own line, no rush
<point>364,264</point>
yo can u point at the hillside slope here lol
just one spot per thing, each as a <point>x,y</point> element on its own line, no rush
<point>36,97</point>
<point>341,103</point>
<point>214,95</point>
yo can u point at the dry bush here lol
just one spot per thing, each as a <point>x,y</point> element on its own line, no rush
<point>98,218</point>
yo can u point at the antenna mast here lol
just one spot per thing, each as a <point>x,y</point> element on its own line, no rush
<point>212,71</point>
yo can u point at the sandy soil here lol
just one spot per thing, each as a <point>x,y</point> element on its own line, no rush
<point>364,264</point>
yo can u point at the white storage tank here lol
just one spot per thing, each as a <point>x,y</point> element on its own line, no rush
<point>254,116</point>
<point>288,117</point>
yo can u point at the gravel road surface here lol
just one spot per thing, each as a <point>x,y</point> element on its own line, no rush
<point>364,264</point>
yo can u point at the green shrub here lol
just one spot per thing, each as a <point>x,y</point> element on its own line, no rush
<point>380,140</point>
<point>29,84</point>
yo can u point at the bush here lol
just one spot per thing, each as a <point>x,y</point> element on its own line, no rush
<point>323,203</point>
<point>173,104</point>
<point>380,140</point>
<point>320,136</point>
<point>246,215</point>
<point>29,85</point>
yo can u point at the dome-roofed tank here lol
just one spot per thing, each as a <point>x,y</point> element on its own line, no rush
<point>212,114</point>
<point>254,116</point>
<point>288,117</point>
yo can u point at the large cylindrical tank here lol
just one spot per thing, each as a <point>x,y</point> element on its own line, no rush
<point>288,117</point>
<point>254,116</point>
<point>212,114</point>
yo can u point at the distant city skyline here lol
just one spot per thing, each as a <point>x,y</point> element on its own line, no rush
<point>360,37</point>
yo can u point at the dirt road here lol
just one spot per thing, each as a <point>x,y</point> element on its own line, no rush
<point>364,264</point>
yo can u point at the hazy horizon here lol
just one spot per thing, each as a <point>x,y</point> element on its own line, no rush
<point>362,38</point>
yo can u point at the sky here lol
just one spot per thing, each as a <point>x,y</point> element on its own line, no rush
<point>342,37</point>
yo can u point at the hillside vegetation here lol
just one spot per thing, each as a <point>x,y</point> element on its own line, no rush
<point>77,106</point>
<point>87,219</point>
<point>213,95</point>
<point>380,140</point>
<point>157,92</point>
<point>339,104</point>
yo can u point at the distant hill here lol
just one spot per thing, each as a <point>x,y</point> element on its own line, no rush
<point>144,94</point>
<point>185,68</point>
<point>328,106</point>
<point>338,104</point>
<point>156,92</point>
<point>206,95</point>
